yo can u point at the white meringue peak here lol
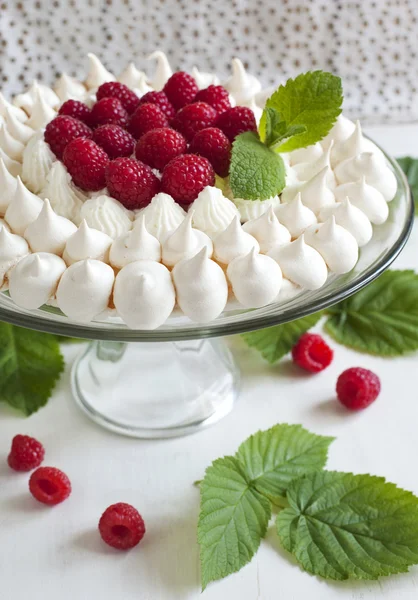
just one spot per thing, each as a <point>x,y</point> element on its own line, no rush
<point>18,113</point>
<point>34,280</point>
<point>251,104</point>
<point>301,264</point>
<point>355,144</point>
<point>184,242</point>
<point>12,249</point>
<point>296,216</point>
<point>13,148</point>
<point>23,209</point>
<point>351,218</point>
<point>49,232</point>
<point>307,170</point>
<point>97,74</point>
<point>336,245</point>
<point>137,244</point>
<point>255,279</point>
<point>306,155</point>
<point>4,224</point>
<point>267,230</point>
<point>315,193</point>
<point>241,85</point>
<point>37,163</point>
<point>365,197</point>
<point>163,71</point>
<point>201,286</point>
<point>107,214</point>
<point>212,212</point>
<point>131,76</point>
<point>374,168</point>
<point>263,95</point>
<point>20,131</point>
<point>65,198</point>
<point>144,294</point>
<point>252,209</point>
<point>42,113</point>
<point>233,242</point>
<point>204,80</point>
<point>28,99</point>
<point>142,86</point>
<point>87,243</point>
<point>162,216</point>
<point>341,130</point>
<point>14,167</point>
<point>84,290</point>
<point>68,88</point>
<point>7,186</point>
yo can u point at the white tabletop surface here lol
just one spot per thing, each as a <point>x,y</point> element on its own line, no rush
<point>46,554</point>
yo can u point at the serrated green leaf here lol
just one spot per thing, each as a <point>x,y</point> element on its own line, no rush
<point>274,458</point>
<point>312,99</point>
<point>277,130</point>
<point>233,519</point>
<point>410,168</point>
<point>256,172</point>
<point>30,365</point>
<point>275,342</point>
<point>345,526</point>
<point>381,319</point>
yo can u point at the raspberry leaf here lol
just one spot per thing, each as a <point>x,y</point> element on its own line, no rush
<point>381,319</point>
<point>256,172</point>
<point>274,458</point>
<point>345,526</point>
<point>30,365</point>
<point>233,519</point>
<point>275,342</point>
<point>410,167</point>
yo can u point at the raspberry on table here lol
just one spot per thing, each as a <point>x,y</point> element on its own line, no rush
<point>161,100</point>
<point>180,89</point>
<point>109,110</point>
<point>121,526</point>
<point>62,130</point>
<point>236,120</point>
<point>312,353</point>
<point>77,110</point>
<point>49,485</point>
<point>185,177</point>
<point>114,140</point>
<point>86,163</point>
<point>357,388</point>
<point>146,117</point>
<point>213,144</point>
<point>131,182</point>
<point>216,96</point>
<point>192,118</point>
<point>114,89</point>
<point>157,147</point>
<point>26,453</point>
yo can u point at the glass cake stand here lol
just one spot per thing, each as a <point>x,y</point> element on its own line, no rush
<point>181,377</point>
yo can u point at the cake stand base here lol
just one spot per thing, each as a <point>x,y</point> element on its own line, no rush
<point>155,390</point>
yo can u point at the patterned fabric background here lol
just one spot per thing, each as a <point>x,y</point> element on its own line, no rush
<point>371,44</point>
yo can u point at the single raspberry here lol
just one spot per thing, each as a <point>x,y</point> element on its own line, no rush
<point>185,177</point>
<point>114,89</point>
<point>357,388</point>
<point>157,147</point>
<point>216,96</point>
<point>131,182</point>
<point>312,353</point>
<point>77,110</point>
<point>26,453</point>
<point>62,130</point>
<point>161,100</point>
<point>49,485</point>
<point>192,118</point>
<point>235,121</point>
<point>180,89</point>
<point>146,117</point>
<point>109,110</point>
<point>121,526</point>
<point>114,140</point>
<point>213,144</point>
<point>86,163</point>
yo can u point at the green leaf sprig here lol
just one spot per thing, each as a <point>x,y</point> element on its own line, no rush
<point>410,168</point>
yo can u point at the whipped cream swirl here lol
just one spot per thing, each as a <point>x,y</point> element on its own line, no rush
<point>37,163</point>
<point>13,148</point>
<point>107,215</point>
<point>162,216</point>
<point>212,212</point>
<point>65,198</point>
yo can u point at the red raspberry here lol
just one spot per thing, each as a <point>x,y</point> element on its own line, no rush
<point>62,130</point>
<point>121,526</point>
<point>49,485</point>
<point>146,117</point>
<point>215,95</point>
<point>192,118</point>
<point>109,110</point>
<point>235,121</point>
<point>77,110</point>
<point>114,89</point>
<point>114,140</point>
<point>357,388</point>
<point>86,163</point>
<point>26,453</point>
<point>312,353</point>
<point>157,147</point>
<point>131,182</point>
<point>185,177</point>
<point>180,89</point>
<point>213,144</point>
<point>161,100</point>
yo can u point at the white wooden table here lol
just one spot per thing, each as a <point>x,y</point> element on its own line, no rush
<point>46,554</point>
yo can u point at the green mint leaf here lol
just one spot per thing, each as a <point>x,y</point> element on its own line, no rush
<point>256,172</point>
<point>277,130</point>
<point>233,519</point>
<point>381,319</point>
<point>312,99</point>
<point>345,526</point>
<point>30,365</point>
<point>274,458</point>
<point>62,339</point>
<point>410,168</point>
<point>275,342</point>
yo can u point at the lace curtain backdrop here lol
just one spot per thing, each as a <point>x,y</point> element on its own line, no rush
<point>371,44</point>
